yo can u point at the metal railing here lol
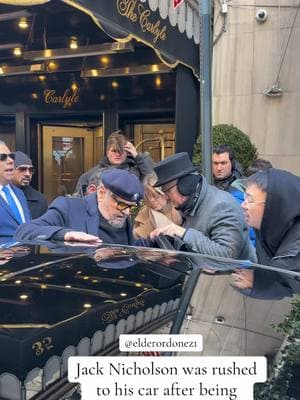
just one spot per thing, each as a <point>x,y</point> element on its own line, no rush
<point>161,139</point>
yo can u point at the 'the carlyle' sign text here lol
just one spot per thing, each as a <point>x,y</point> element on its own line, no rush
<point>67,99</point>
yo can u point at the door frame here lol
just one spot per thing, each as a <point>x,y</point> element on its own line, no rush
<point>45,147</point>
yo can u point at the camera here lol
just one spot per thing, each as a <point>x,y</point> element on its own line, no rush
<point>261,15</point>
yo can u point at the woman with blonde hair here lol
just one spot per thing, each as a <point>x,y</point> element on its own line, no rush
<point>156,212</point>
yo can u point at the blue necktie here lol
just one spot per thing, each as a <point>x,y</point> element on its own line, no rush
<point>12,204</point>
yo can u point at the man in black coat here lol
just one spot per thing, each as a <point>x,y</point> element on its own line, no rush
<point>225,168</point>
<point>22,177</point>
<point>102,216</point>
<point>272,208</point>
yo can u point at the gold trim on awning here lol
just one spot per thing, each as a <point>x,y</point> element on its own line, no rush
<point>23,2</point>
<point>129,37</point>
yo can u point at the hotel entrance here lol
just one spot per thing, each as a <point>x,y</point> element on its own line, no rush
<point>73,72</point>
<point>66,152</point>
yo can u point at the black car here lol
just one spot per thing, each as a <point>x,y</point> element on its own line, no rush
<point>58,301</point>
<point>62,301</point>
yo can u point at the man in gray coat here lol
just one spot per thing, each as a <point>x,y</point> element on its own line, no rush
<point>213,221</point>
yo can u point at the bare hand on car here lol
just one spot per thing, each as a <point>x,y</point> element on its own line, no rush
<point>74,236</point>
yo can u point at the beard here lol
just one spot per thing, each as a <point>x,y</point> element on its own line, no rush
<point>117,222</point>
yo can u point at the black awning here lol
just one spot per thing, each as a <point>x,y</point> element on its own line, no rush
<point>127,19</point>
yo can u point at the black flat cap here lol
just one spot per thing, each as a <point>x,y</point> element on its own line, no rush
<point>123,183</point>
<point>173,167</point>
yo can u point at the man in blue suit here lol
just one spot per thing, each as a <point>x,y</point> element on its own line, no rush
<point>13,206</point>
<point>100,216</point>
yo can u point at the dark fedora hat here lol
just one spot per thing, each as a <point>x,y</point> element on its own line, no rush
<point>173,167</point>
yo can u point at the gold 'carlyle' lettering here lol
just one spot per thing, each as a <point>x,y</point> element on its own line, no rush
<point>110,316</point>
<point>138,13</point>
<point>113,315</point>
<point>155,28</point>
<point>127,9</point>
<point>67,99</point>
<point>136,305</point>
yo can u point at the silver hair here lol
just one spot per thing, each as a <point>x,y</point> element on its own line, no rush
<point>95,178</point>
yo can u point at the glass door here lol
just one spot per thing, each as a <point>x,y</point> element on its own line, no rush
<point>67,153</point>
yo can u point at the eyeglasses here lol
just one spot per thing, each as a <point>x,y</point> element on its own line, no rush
<point>4,156</point>
<point>121,206</point>
<point>24,169</point>
<point>250,201</point>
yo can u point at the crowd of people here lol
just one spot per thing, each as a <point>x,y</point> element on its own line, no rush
<point>170,198</point>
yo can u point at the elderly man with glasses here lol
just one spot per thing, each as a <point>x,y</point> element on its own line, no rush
<point>13,207</point>
<point>24,170</point>
<point>100,216</point>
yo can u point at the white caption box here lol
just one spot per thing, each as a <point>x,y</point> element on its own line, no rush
<point>159,378</point>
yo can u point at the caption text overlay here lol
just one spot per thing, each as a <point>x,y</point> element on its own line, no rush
<point>159,378</point>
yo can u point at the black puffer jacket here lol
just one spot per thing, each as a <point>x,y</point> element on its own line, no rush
<point>278,241</point>
<point>140,166</point>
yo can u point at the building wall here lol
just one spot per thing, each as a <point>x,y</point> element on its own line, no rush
<point>246,61</point>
